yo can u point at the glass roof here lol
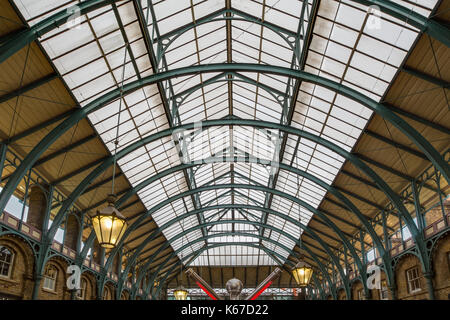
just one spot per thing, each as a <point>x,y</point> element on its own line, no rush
<point>347,46</point>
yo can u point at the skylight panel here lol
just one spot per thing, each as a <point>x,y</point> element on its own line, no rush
<point>241,256</point>
<point>284,19</point>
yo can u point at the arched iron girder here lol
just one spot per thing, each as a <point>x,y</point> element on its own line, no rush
<point>50,138</point>
<point>211,246</point>
<point>223,77</point>
<point>429,26</point>
<point>403,126</point>
<point>197,253</point>
<point>155,262</point>
<point>156,233</point>
<point>321,215</point>
<point>320,265</point>
<point>317,283</point>
<point>225,15</point>
<point>151,237</point>
<point>166,172</point>
<point>167,243</point>
<point>211,123</point>
<point>275,93</point>
<point>313,256</point>
<point>105,167</point>
<point>96,172</point>
<point>22,38</point>
<point>351,207</point>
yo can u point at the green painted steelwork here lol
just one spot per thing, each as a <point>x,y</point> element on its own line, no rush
<point>15,42</point>
<point>386,6</point>
<point>25,37</point>
<point>395,144</point>
<point>292,91</point>
<point>155,232</point>
<point>415,19</point>
<point>278,96</point>
<point>403,126</point>
<point>65,149</point>
<point>332,190</point>
<point>3,150</point>
<point>164,41</point>
<point>302,173</point>
<point>38,127</point>
<point>215,187</point>
<point>318,285</point>
<point>426,77</point>
<point>165,90</point>
<point>151,236</point>
<point>97,171</point>
<point>151,282</point>
<point>108,162</point>
<point>237,233</point>
<point>422,120</point>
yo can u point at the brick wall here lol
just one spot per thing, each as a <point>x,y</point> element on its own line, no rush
<point>108,292</point>
<point>91,291</point>
<point>125,295</point>
<point>72,228</point>
<point>20,283</point>
<point>356,286</point>
<point>341,295</point>
<point>375,293</point>
<point>403,292</point>
<point>37,206</point>
<point>61,292</point>
<point>435,214</point>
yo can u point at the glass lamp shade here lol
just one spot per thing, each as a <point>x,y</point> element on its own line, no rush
<point>180,293</point>
<point>302,273</point>
<point>109,226</point>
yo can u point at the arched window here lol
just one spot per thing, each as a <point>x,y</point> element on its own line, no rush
<point>50,275</point>
<point>106,295</point>
<point>81,294</point>
<point>413,279</point>
<point>6,261</point>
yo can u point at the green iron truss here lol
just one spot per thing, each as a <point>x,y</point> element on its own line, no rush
<point>228,72</point>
